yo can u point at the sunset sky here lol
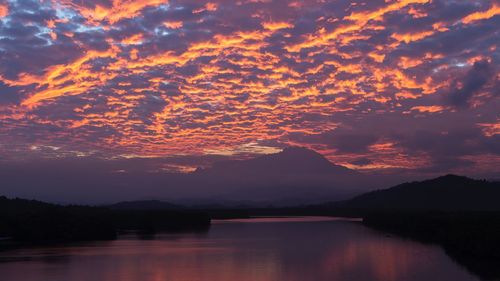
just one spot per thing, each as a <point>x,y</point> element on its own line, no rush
<point>374,85</point>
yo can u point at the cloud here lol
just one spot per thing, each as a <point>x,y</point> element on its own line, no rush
<point>350,79</point>
<point>446,149</point>
<point>352,143</point>
<point>473,82</point>
<point>4,10</point>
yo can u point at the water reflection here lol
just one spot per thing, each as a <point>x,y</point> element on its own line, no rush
<point>285,249</point>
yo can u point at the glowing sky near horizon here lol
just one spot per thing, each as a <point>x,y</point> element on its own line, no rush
<point>376,84</point>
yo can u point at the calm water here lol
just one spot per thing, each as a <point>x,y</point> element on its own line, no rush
<point>313,249</point>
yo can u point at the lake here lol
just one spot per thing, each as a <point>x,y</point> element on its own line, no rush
<point>263,249</point>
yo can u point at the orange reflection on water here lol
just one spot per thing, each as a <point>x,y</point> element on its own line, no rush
<point>278,249</point>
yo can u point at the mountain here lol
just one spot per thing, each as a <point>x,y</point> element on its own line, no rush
<point>144,205</point>
<point>446,193</point>
<point>292,160</point>
<point>294,176</point>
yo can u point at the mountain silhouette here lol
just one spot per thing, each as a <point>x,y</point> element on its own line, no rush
<point>446,193</point>
<point>292,160</point>
<point>144,205</point>
<point>295,175</point>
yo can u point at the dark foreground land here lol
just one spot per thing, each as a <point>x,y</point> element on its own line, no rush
<point>471,239</point>
<point>33,222</point>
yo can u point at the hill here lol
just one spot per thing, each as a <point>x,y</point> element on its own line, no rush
<point>446,193</point>
<point>34,221</point>
<point>29,221</point>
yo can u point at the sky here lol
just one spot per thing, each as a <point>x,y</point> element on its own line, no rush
<point>377,86</point>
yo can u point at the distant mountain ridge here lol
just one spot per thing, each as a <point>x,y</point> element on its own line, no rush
<point>446,193</point>
<point>145,205</point>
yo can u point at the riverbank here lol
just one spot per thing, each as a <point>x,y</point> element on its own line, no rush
<point>471,238</point>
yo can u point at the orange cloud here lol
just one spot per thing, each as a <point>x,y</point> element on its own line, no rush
<point>490,129</point>
<point>208,7</point>
<point>135,39</point>
<point>276,25</point>
<point>428,108</point>
<point>359,19</point>
<point>71,79</point>
<point>120,9</point>
<point>4,10</point>
<point>477,16</point>
<point>211,6</point>
<point>410,37</point>
<point>417,13</point>
<point>173,24</point>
